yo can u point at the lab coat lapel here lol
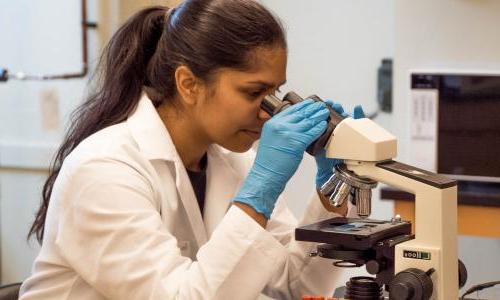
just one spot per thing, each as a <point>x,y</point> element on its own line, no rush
<point>155,142</point>
<point>222,184</point>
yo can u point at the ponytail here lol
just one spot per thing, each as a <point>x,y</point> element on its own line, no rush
<point>122,69</point>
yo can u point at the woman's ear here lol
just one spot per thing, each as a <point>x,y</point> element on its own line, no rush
<point>188,85</point>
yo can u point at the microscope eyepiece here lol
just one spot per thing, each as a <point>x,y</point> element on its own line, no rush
<point>273,105</point>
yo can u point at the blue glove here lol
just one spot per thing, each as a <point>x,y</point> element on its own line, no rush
<point>325,165</point>
<point>284,140</point>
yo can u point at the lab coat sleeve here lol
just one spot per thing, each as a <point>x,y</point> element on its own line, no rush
<point>111,234</point>
<point>301,274</point>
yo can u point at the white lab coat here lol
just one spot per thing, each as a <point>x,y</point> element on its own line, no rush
<point>123,223</point>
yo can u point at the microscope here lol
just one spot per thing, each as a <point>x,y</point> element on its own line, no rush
<point>406,266</point>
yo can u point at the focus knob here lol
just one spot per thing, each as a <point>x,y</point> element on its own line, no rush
<point>411,284</point>
<point>374,267</point>
<point>402,290</point>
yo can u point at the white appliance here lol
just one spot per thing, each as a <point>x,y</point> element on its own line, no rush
<point>455,123</point>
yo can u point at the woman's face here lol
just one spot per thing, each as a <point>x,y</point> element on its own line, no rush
<point>230,114</point>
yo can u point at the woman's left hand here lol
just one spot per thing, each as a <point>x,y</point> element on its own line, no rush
<point>326,165</point>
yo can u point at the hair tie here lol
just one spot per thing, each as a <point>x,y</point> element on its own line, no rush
<point>168,15</point>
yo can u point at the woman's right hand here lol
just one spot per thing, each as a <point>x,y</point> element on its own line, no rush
<point>285,138</point>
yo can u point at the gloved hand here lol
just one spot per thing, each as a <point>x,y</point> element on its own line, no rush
<point>284,139</point>
<point>325,165</point>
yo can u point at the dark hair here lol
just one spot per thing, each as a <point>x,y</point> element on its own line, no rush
<point>204,35</point>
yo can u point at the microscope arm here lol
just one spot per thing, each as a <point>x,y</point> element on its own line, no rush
<point>367,150</point>
<point>435,195</point>
<point>435,216</point>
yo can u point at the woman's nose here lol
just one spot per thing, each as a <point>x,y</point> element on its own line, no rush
<point>263,115</point>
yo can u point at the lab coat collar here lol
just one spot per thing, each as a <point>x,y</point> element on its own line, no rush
<point>150,133</point>
<point>155,143</point>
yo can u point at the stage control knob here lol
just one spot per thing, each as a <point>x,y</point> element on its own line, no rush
<point>374,267</point>
<point>411,284</point>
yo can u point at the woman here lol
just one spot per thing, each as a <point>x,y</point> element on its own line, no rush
<point>154,194</point>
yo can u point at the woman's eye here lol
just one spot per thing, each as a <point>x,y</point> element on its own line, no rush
<point>255,94</point>
<point>261,92</point>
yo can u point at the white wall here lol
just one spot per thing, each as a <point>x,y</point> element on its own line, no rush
<point>451,34</point>
<point>37,37</point>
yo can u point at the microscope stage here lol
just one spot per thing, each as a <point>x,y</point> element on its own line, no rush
<point>352,233</point>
